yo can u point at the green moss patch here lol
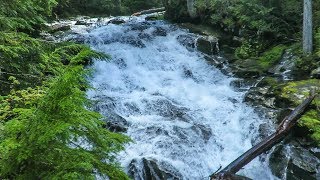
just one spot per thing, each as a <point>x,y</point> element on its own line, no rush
<point>272,56</point>
<point>311,120</point>
<point>297,91</point>
<point>294,93</point>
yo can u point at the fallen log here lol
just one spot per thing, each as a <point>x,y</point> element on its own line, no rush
<point>149,11</point>
<point>228,173</point>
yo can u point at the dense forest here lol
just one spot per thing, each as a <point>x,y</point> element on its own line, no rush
<point>45,115</point>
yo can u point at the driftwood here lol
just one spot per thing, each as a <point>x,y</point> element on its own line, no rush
<point>228,173</point>
<point>149,11</point>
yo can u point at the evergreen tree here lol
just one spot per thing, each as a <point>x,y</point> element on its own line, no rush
<point>58,137</point>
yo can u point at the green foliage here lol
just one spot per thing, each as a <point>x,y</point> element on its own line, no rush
<point>311,120</point>
<point>272,56</point>
<point>46,128</point>
<point>248,49</point>
<point>58,138</point>
<point>23,15</point>
<point>138,5</point>
<point>271,19</point>
<point>102,7</point>
<point>26,62</point>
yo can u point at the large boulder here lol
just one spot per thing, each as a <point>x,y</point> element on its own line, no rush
<point>208,45</point>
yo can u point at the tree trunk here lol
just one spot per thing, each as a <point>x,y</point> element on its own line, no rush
<point>191,8</point>
<point>228,173</point>
<point>307,26</point>
<point>149,11</point>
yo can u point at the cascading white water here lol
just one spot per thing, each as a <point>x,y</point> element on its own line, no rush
<point>181,112</point>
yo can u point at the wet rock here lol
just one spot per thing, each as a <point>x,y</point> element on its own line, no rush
<point>152,170</point>
<point>82,22</point>
<point>278,161</point>
<point>116,21</point>
<point>243,84</point>
<point>248,68</point>
<point>159,31</point>
<point>136,42</point>
<point>145,36</point>
<point>187,40</point>
<point>302,165</point>
<point>315,151</point>
<point>208,45</point>
<point>140,26</point>
<point>264,130</point>
<point>116,123</point>
<point>203,131</point>
<point>167,109</point>
<point>285,66</point>
<point>294,163</point>
<point>77,38</point>
<point>259,96</point>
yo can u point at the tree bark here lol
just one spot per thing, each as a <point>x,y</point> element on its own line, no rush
<point>228,173</point>
<point>149,11</point>
<point>307,26</point>
<point>191,8</point>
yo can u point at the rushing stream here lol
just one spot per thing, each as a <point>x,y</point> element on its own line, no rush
<point>182,114</point>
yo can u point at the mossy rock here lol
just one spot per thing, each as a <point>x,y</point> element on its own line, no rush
<point>297,91</point>
<point>255,67</point>
<point>311,120</point>
<point>294,93</point>
<point>271,57</point>
<point>247,68</point>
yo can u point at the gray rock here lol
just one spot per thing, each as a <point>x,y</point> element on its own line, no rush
<point>187,41</point>
<point>150,169</point>
<point>294,163</point>
<point>82,22</point>
<point>208,45</point>
<point>116,21</point>
<point>116,123</point>
<point>247,68</point>
<point>278,161</point>
<point>259,96</point>
<point>159,32</point>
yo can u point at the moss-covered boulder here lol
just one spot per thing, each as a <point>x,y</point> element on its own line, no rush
<point>293,93</point>
<point>255,67</point>
<point>297,91</point>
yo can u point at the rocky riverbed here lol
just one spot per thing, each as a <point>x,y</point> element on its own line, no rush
<point>273,90</point>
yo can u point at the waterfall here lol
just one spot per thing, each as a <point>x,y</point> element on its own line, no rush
<point>183,116</point>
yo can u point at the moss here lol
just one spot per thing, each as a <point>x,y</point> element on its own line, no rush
<point>311,120</point>
<point>293,93</point>
<point>268,81</point>
<point>297,91</point>
<point>271,56</point>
